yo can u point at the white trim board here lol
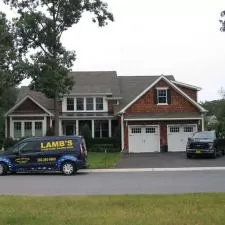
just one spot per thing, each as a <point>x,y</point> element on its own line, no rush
<point>22,101</point>
<point>156,119</point>
<point>172,85</point>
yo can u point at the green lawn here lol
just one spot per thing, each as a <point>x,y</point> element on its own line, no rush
<point>97,160</point>
<point>192,209</point>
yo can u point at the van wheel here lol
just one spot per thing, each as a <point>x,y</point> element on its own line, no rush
<point>3,169</point>
<point>68,168</point>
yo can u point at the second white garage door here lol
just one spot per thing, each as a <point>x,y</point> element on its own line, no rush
<point>177,136</point>
<point>144,139</point>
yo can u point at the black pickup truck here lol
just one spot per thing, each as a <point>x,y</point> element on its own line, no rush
<point>205,143</point>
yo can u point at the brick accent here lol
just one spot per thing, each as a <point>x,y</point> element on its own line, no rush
<point>146,102</point>
<point>28,107</point>
<point>111,104</point>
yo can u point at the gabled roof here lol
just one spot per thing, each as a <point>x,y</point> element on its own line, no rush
<point>133,86</point>
<point>155,81</point>
<point>38,98</point>
<point>187,85</point>
<point>97,82</point>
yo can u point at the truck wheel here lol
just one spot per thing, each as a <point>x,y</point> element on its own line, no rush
<point>3,169</point>
<point>214,155</point>
<point>68,168</point>
<point>188,156</point>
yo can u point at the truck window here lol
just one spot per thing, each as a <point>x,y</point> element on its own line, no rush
<point>28,147</point>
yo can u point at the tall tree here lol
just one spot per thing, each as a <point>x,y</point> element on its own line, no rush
<point>222,21</point>
<point>40,26</point>
<point>11,63</point>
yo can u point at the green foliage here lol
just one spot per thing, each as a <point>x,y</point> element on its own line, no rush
<point>11,64</point>
<point>39,27</point>
<point>50,132</point>
<point>103,144</point>
<point>86,132</point>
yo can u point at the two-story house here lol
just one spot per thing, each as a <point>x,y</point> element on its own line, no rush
<point>152,111</point>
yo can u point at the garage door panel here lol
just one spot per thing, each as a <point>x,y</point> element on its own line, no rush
<point>177,136</point>
<point>144,139</point>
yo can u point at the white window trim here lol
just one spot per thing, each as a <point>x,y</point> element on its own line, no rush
<point>105,105</point>
<point>161,89</point>
<point>23,127</point>
<point>74,104</point>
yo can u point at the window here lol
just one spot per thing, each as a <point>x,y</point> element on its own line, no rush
<point>70,104</point>
<point>17,130</point>
<point>162,96</point>
<point>150,130</point>
<point>99,103</point>
<point>80,104</point>
<point>136,130</point>
<point>28,147</point>
<point>89,104</point>
<point>38,129</point>
<point>188,129</point>
<point>28,129</point>
<point>101,129</point>
<point>174,129</point>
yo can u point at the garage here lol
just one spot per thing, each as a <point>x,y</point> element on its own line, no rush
<point>177,136</point>
<point>144,139</point>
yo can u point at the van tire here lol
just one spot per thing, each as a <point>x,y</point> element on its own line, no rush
<point>68,168</point>
<point>3,169</point>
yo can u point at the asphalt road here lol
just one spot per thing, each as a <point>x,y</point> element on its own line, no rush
<point>114,183</point>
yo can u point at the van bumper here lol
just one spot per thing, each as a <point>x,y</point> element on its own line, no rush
<point>81,164</point>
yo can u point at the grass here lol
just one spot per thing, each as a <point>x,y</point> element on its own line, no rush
<point>98,160</point>
<point>190,209</point>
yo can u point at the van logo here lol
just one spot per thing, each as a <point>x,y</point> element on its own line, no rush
<point>57,145</point>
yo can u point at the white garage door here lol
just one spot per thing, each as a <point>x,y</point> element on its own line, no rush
<point>144,139</point>
<point>177,136</point>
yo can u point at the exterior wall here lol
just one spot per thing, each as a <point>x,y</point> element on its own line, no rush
<point>111,104</point>
<point>146,103</point>
<point>163,129</point>
<point>28,107</point>
<point>190,92</point>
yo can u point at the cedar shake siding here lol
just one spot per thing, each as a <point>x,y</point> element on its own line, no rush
<point>29,107</point>
<point>190,92</point>
<point>146,103</point>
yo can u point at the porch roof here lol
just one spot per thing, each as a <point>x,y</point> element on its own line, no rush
<point>82,116</point>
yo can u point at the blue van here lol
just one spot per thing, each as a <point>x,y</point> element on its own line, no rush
<point>67,154</point>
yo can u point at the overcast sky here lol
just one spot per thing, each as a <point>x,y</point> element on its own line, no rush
<point>178,37</point>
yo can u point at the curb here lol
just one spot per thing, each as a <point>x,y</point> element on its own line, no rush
<point>152,169</point>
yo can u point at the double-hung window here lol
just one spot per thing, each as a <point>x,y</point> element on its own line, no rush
<point>89,104</point>
<point>80,104</point>
<point>162,96</point>
<point>99,104</point>
<point>70,104</point>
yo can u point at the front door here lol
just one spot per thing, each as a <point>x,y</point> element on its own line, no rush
<point>70,129</point>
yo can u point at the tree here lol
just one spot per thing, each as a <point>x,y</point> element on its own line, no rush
<point>222,21</point>
<point>11,63</point>
<point>40,26</point>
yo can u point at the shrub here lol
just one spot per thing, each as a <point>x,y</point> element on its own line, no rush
<point>9,142</point>
<point>50,132</point>
<point>86,132</point>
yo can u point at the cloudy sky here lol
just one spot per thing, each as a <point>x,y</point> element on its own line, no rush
<point>178,37</point>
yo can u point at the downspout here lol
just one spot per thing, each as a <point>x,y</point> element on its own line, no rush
<point>122,131</point>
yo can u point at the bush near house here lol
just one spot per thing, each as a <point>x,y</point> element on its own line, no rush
<point>103,145</point>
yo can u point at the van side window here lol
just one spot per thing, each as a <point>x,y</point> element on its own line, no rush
<point>28,147</point>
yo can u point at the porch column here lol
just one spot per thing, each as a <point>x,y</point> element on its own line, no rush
<point>6,127</point>
<point>11,133</point>
<point>60,127</point>
<point>93,129</point>
<point>22,129</point>
<point>33,128</point>
<point>110,128</point>
<point>122,133</point>
<point>44,129</point>
<point>77,127</point>
<point>203,123</point>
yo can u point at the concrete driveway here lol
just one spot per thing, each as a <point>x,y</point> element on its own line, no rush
<point>167,160</point>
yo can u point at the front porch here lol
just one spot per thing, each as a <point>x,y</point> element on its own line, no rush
<point>98,128</point>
